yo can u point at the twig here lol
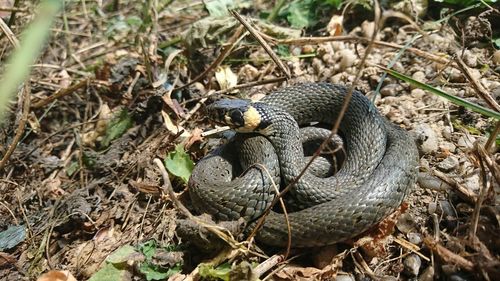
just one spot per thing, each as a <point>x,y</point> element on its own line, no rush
<point>268,264</point>
<point>483,190</point>
<point>447,255</point>
<point>410,246</point>
<point>263,43</point>
<point>61,93</point>
<point>462,190</point>
<point>316,40</point>
<point>480,90</point>
<point>215,131</point>
<point>25,101</point>
<point>493,137</point>
<point>10,35</point>
<point>492,166</point>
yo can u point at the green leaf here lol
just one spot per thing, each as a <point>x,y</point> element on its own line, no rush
<point>111,272</point>
<point>496,42</point>
<point>121,254</point>
<point>72,168</point>
<point>148,249</point>
<point>456,100</point>
<point>179,164</point>
<point>335,3</point>
<point>301,14</point>
<point>117,127</point>
<point>219,8</point>
<point>221,272</point>
<point>153,272</point>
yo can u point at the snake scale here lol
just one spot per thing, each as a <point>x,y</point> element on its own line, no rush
<point>235,180</point>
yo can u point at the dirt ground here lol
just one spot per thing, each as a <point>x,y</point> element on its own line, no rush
<point>121,84</point>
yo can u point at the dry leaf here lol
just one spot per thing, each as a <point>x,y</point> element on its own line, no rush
<point>65,81</point>
<point>334,27</point>
<point>174,129</point>
<point>57,275</point>
<point>6,259</point>
<point>195,136</point>
<point>33,122</point>
<point>226,77</point>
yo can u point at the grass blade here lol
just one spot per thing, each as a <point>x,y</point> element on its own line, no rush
<point>456,100</point>
<point>33,40</point>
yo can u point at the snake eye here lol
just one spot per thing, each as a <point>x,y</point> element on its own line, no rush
<point>237,117</point>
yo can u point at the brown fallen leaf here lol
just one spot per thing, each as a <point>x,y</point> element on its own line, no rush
<point>57,275</point>
<point>195,137</point>
<point>6,260</point>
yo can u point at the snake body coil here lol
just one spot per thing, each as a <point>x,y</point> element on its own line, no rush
<point>379,169</point>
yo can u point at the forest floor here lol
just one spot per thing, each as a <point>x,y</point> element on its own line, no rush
<point>119,86</point>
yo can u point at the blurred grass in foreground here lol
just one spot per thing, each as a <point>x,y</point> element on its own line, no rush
<point>31,44</point>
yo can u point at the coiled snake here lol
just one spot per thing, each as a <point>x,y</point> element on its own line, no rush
<point>379,169</point>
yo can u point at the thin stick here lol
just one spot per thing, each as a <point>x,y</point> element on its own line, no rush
<point>480,90</point>
<point>8,32</point>
<point>263,43</point>
<point>61,93</point>
<point>25,100</point>
<point>317,40</point>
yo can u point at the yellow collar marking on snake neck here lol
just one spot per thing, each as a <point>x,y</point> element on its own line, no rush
<point>252,119</point>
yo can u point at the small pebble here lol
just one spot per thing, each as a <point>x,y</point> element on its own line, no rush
<point>419,76</point>
<point>412,264</point>
<point>447,146</point>
<point>456,76</point>
<point>391,90</point>
<point>427,275</point>
<point>347,58</point>
<point>495,93</point>
<point>496,57</point>
<point>367,28</point>
<point>414,238</point>
<point>431,182</point>
<point>417,93</point>
<point>431,208</point>
<point>447,208</point>
<point>470,58</point>
<point>388,278</point>
<point>447,131</point>
<point>466,142</point>
<point>426,138</point>
<point>344,277</point>
<point>405,223</point>
<point>448,164</point>
<point>472,182</point>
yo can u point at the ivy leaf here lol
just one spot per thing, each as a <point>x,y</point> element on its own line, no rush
<point>179,164</point>
<point>121,254</point>
<point>111,272</point>
<point>221,272</point>
<point>153,272</point>
<point>219,8</point>
<point>300,14</point>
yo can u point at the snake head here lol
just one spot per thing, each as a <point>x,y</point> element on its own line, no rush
<point>241,115</point>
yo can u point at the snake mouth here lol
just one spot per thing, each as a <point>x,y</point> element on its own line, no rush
<point>240,115</point>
